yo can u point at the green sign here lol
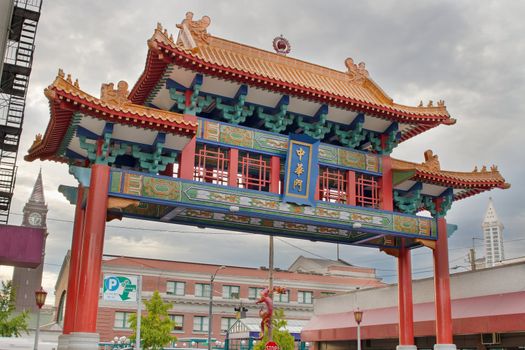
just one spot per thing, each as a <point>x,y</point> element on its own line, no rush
<point>120,288</point>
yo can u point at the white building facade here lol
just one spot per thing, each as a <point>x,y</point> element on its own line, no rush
<point>492,236</point>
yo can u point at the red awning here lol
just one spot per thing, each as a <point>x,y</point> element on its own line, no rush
<point>485,314</point>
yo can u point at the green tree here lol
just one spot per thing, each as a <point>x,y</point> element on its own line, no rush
<point>10,325</point>
<point>156,326</point>
<point>280,335</point>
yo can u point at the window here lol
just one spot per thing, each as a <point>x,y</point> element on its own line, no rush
<point>122,319</point>
<point>254,293</point>
<point>226,323</point>
<point>211,165</point>
<point>367,193</point>
<point>332,185</point>
<point>202,290</point>
<point>175,288</point>
<point>200,323</point>
<point>304,297</point>
<point>230,292</point>
<point>282,298</point>
<point>255,171</point>
<point>179,322</point>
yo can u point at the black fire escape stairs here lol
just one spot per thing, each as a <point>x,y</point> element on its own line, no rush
<point>13,89</point>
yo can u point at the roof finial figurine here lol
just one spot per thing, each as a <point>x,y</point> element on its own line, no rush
<point>357,72</point>
<point>281,45</point>
<point>192,33</point>
<point>117,96</point>
<point>431,160</point>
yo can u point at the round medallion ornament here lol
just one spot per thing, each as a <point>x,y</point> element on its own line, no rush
<point>281,45</point>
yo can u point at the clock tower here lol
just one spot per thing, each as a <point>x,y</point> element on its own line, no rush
<point>26,280</point>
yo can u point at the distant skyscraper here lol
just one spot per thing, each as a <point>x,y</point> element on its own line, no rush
<point>25,280</point>
<point>493,236</point>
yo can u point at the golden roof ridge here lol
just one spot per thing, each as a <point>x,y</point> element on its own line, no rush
<point>117,103</point>
<point>204,51</point>
<point>431,167</point>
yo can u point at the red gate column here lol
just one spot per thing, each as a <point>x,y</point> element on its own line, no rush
<point>385,184</point>
<point>187,160</point>
<point>275,174</point>
<point>74,265</point>
<point>406,308</point>
<point>84,335</point>
<point>442,289</point>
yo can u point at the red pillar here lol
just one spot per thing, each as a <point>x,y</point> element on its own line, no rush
<point>233,167</point>
<point>74,265</point>
<point>350,187</point>
<point>406,308</point>
<point>275,174</point>
<point>92,248</point>
<point>385,186</point>
<point>442,286</point>
<point>187,160</point>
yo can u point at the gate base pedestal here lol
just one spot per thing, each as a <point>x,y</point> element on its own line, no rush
<point>84,341</point>
<point>444,346</point>
<point>63,342</point>
<point>406,347</point>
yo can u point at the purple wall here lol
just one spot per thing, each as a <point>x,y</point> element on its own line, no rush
<point>21,246</point>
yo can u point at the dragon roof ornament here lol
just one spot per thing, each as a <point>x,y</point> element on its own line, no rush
<point>118,96</point>
<point>357,72</point>
<point>193,33</point>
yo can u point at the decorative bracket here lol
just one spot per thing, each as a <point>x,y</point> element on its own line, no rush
<point>279,119</point>
<point>447,197</point>
<point>320,127</point>
<point>83,175</point>
<point>191,95</point>
<point>410,201</point>
<point>100,152</point>
<point>439,207</point>
<point>355,135</point>
<point>391,138</point>
<point>238,112</point>
<point>154,161</point>
<point>375,141</point>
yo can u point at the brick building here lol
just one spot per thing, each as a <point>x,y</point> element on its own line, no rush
<point>186,285</point>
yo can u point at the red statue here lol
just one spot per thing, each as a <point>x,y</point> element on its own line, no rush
<point>266,298</point>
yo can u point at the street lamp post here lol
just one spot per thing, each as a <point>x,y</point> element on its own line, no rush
<point>40,297</point>
<point>358,315</point>
<point>210,315</point>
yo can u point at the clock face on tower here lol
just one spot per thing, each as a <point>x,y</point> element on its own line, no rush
<point>35,219</point>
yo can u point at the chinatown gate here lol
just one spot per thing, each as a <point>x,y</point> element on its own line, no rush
<point>219,134</point>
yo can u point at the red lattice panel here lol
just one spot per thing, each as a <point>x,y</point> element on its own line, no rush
<point>255,172</point>
<point>367,191</point>
<point>332,185</point>
<point>211,165</point>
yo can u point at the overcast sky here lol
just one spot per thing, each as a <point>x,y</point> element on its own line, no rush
<point>469,53</point>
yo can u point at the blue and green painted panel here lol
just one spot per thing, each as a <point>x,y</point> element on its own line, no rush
<point>214,202</point>
<point>276,144</point>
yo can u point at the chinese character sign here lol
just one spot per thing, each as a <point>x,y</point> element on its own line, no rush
<point>301,170</point>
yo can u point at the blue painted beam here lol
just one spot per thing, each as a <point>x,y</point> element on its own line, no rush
<point>394,127</point>
<point>243,91</point>
<point>88,134</point>
<point>198,80</point>
<point>161,138</point>
<point>172,84</point>
<point>323,110</point>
